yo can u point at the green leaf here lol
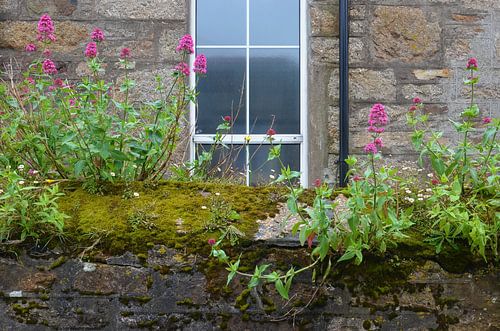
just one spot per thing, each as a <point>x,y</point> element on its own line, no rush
<point>281,289</point>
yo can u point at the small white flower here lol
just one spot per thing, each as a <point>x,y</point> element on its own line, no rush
<point>408,192</point>
<point>420,170</point>
<point>1,191</point>
<point>36,182</point>
<point>430,175</point>
<point>20,167</point>
<point>112,174</point>
<point>272,170</point>
<point>219,169</point>
<point>217,193</point>
<point>428,190</point>
<point>134,166</point>
<point>420,195</point>
<point>203,207</point>
<point>136,194</point>
<point>272,176</point>
<point>21,182</point>
<point>411,200</point>
<point>420,199</point>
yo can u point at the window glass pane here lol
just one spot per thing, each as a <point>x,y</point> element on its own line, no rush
<point>274,22</point>
<point>261,170</point>
<point>228,163</point>
<point>221,22</point>
<point>222,90</point>
<point>274,90</point>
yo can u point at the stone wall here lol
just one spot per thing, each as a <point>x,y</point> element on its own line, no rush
<point>399,49</point>
<point>170,290</point>
<point>149,28</point>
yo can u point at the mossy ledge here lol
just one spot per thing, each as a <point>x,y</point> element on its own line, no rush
<point>176,214</point>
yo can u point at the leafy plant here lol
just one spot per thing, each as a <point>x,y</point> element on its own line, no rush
<point>465,198</point>
<point>28,210</point>
<point>87,132</point>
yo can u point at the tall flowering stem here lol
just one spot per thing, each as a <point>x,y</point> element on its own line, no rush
<point>377,119</point>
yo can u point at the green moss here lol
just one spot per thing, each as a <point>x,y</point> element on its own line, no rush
<point>367,324</point>
<point>126,313</point>
<point>187,302</point>
<point>58,262</point>
<point>147,323</point>
<point>106,216</point>
<point>241,299</point>
<point>149,281</point>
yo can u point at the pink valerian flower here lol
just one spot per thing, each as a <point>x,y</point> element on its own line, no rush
<point>52,88</point>
<point>227,118</point>
<point>30,48</point>
<point>46,29</point>
<point>435,181</point>
<point>72,102</point>
<point>417,100</point>
<point>182,68</point>
<point>377,116</point>
<point>58,82</point>
<point>200,64</point>
<point>370,148</point>
<point>32,172</point>
<point>412,108</point>
<point>47,53</point>
<point>91,50</point>
<point>186,44</point>
<point>30,80</point>
<point>356,178</point>
<point>125,53</point>
<point>211,241</point>
<point>271,132</point>
<point>97,35</point>
<point>375,129</point>
<point>49,67</point>
<point>378,142</point>
<point>317,182</point>
<point>472,63</point>
<point>487,120</point>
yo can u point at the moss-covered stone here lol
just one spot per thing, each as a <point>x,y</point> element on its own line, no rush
<point>107,216</point>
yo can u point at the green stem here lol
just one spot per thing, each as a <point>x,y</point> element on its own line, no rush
<point>372,159</point>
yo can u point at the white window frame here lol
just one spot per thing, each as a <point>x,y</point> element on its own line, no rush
<point>257,139</point>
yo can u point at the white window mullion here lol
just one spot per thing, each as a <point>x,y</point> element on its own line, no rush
<point>247,148</point>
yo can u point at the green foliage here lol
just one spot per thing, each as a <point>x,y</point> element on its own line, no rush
<point>28,210</point>
<point>465,199</point>
<point>91,130</point>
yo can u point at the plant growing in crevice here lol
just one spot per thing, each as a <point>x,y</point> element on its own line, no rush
<point>465,199</point>
<point>370,223</point>
<point>223,218</point>
<point>83,130</point>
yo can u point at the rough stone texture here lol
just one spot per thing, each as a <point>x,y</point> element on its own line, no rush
<point>18,34</point>
<point>143,10</point>
<point>404,33</point>
<point>176,291</point>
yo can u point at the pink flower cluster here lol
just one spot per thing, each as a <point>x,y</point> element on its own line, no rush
<point>186,44</point>
<point>125,53</point>
<point>30,48</point>
<point>417,102</point>
<point>487,120</point>
<point>200,64</point>
<point>183,68</point>
<point>49,67</point>
<point>91,50</point>
<point>472,63</point>
<point>46,29</point>
<point>377,119</point>
<point>97,35</point>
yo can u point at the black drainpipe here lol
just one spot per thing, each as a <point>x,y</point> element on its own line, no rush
<point>344,90</point>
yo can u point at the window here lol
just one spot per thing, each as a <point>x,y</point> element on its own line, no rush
<point>256,75</point>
